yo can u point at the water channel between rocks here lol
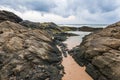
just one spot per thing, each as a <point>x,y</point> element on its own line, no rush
<point>72,70</point>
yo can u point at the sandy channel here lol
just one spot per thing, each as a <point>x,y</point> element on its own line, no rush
<point>72,69</point>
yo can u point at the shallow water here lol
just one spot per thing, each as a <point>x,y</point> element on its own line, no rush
<point>72,69</point>
<point>75,40</point>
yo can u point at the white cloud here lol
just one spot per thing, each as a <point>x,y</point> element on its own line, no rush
<point>65,11</point>
<point>37,16</point>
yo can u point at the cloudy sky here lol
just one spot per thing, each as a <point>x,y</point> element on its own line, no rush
<point>65,11</point>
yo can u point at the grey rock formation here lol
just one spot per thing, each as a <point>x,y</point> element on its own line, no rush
<point>5,15</point>
<point>28,54</point>
<point>100,53</point>
<point>89,29</point>
<point>50,27</point>
<point>29,24</point>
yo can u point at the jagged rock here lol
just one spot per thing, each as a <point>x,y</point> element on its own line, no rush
<point>83,28</point>
<point>5,15</point>
<point>100,53</point>
<point>30,24</point>
<point>28,54</point>
<point>50,27</point>
<point>89,29</point>
<point>67,28</point>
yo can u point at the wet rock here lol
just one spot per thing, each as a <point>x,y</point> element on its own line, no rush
<point>5,15</point>
<point>28,54</point>
<point>100,53</point>
<point>89,29</point>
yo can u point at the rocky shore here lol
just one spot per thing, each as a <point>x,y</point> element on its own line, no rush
<point>100,53</point>
<point>89,29</point>
<point>27,53</point>
<point>83,28</point>
<point>28,50</point>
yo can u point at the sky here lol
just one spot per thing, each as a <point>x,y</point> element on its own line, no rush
<point>65,11</point>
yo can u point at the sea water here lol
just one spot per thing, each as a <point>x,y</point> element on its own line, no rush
<point>89,25</point>
<point>75,40</point>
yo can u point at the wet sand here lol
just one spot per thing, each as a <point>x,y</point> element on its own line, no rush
<point>72,69</point>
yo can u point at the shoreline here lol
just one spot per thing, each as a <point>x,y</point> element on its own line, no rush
<point>73,71</point>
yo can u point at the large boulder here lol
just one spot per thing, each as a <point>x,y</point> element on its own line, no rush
<point>100,53</point>
<point>28,54</point>
<point>5,15</point>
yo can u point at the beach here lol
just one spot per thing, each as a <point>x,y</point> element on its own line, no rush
<point>73,71</point>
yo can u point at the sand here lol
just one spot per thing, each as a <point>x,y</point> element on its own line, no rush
<point>72,69</point>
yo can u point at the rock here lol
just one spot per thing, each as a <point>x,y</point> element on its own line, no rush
<point>83,28</point>
<point>28,54</point>
<point>100,53</point>
<point>50,27</point>
<point>5,15</point>
<point>62,36</point>
<point>33,25</point>
<point>67,28</point>
<point>89,29</point>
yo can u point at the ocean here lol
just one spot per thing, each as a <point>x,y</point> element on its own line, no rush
<point>80,25</point>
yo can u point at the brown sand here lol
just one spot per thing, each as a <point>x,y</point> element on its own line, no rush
<point>72,69</point>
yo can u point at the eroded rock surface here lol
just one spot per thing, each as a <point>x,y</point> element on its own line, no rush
<point>28,54</point>
<point>48,26</point>
<point>5,15</point>
<point>100,53</point>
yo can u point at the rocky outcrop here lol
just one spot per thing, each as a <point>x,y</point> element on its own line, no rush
<point>50,27</point>
<point>5,15</point>
<point>63,36</point>
<point>83,28</point>
<point>100,53</point>
<point>28,54</point>
<point>89,29</point>
<point>67,28</point>
<point>29,24</point>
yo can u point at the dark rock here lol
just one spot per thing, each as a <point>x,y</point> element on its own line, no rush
<point>5,15</point>
<point>100,53</point>
<point>28,54</point>
<point>89,29</point>
<point>83,28</point>
<point>33,25</point>
<point>67,28</point>
<point>50,27</point>
<point>62,36</point>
